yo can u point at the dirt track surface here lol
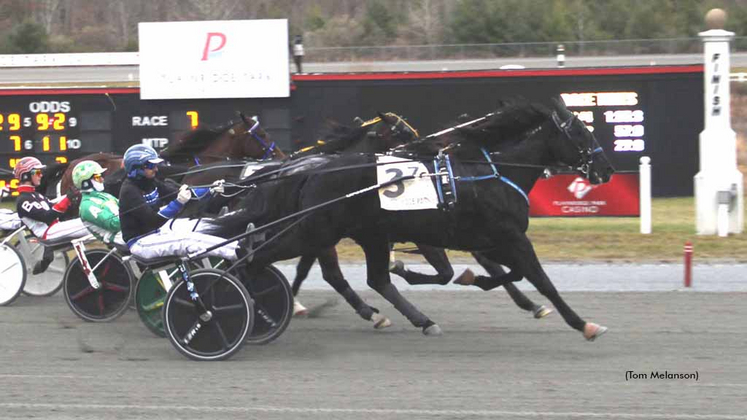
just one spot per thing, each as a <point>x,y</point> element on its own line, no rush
<point>493,361</point>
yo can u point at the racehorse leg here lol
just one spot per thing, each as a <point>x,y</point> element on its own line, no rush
<point>376,247</point>
<point>437,258</point>
<point>525,261</point>
<point>332,274</point>
<point>302,271</point>
<point>499,276</point>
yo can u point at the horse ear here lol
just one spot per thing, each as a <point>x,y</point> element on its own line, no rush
<point>384,117</point>
<point>560,107</point>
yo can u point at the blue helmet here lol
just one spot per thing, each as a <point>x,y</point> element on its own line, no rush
<point>136,157</point>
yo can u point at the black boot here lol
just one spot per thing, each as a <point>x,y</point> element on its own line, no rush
<point>42,265</point>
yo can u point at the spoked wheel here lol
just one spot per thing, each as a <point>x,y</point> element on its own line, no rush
<point>48,282</point>
<point>12,274</point>
<point>149,297</point>
<point>230,309</point>
<point>273,303</point>
<point>107,302</point>
<point>217,263</point>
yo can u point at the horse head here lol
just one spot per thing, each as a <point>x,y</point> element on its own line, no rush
<point>390,130</point>
<point>581,149</point>
<point>252,140</point>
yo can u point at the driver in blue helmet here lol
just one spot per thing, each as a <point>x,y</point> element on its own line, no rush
<point>148,207</point>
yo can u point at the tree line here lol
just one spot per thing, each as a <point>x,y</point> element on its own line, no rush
<point>59,26</point>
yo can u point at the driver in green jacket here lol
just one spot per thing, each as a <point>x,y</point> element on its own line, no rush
<point>98,210</point>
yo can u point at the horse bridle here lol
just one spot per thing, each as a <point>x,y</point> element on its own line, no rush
<point>397,129</point>
<point>269,149</point>
<point>586,154</point>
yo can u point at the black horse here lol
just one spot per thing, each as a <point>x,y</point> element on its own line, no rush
<point>366,138</point>
<point>387,129</point>
<point>334,199</point>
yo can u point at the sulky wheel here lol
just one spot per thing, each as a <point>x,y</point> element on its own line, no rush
<point>107,302</point>
<point>12,274</point>
<point>149,296</point>
<point>49,281</point>
<point>273,303</point>
<point>230,316</point>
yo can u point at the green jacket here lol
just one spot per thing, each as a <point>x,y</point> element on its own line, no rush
<point>100,213</point>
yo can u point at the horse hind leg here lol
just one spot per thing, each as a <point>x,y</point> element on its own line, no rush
<point>302,272</point>
<point>376,249</point>
<point>437,258</point>
<point>498,276</point>
<point>332,274</point>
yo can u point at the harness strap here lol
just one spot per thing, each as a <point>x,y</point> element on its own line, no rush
<point>497,175</point>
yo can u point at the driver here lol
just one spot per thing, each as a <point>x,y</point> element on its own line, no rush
<point>39,214</point>
<point>99,210</point>
<point>147,212</point>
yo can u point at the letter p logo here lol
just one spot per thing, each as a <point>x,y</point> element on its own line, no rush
<point>211,49</point>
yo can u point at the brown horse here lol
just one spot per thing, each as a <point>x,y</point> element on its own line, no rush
<point>242,139</point>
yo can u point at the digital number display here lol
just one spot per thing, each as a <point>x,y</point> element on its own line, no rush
<point>60,129</point>
<point>617,120</point>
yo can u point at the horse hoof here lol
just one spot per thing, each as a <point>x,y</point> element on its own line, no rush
<point>592,331</point>
<point>298,309</point>
<point>433,330</point>
<point>466,279</point>
<point>380,321</point>
<point>542,312</point>
<point>397,267</point>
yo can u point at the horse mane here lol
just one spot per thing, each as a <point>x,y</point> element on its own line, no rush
<point>195,141</point>
<point>335,138</point>
<point>512,121</point>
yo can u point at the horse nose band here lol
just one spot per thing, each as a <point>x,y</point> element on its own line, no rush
<point>269,149</point>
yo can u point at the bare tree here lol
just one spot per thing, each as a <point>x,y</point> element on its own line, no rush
<point>45,12</point>
<point>215,9</point>
<point>424,21</point>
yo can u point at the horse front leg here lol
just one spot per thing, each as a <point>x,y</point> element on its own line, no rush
<point>376,247</point>
<point>437,258</point>
<point>525,260</point>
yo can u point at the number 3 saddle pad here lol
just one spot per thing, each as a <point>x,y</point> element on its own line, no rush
<point>411,194</point>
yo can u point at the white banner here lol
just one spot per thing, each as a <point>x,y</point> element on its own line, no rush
<point>412,194</point>
<point>214,59</point>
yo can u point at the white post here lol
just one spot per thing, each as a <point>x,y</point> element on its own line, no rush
<point>561,55</point>
<point>644,181</point>
<point>718,174</point>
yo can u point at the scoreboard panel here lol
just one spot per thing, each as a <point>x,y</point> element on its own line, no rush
<point>654,111</point>
<point>60,125</point>
<point>634,112</point>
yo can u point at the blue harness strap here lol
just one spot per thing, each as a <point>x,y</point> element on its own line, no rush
<point>494,175</point>
<point>452,184</point>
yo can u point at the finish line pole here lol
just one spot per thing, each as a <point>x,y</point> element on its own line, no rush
<point>688,264</point>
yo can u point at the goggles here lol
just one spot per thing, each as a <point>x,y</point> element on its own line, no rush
<point>150,165</point>
<point>97,178</point>
<point>37,172</point>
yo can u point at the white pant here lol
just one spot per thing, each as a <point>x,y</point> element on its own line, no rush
<point>65,232</point>
<point>181,237</point>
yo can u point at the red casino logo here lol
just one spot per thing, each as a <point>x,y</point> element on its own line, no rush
<point>580,187</point>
